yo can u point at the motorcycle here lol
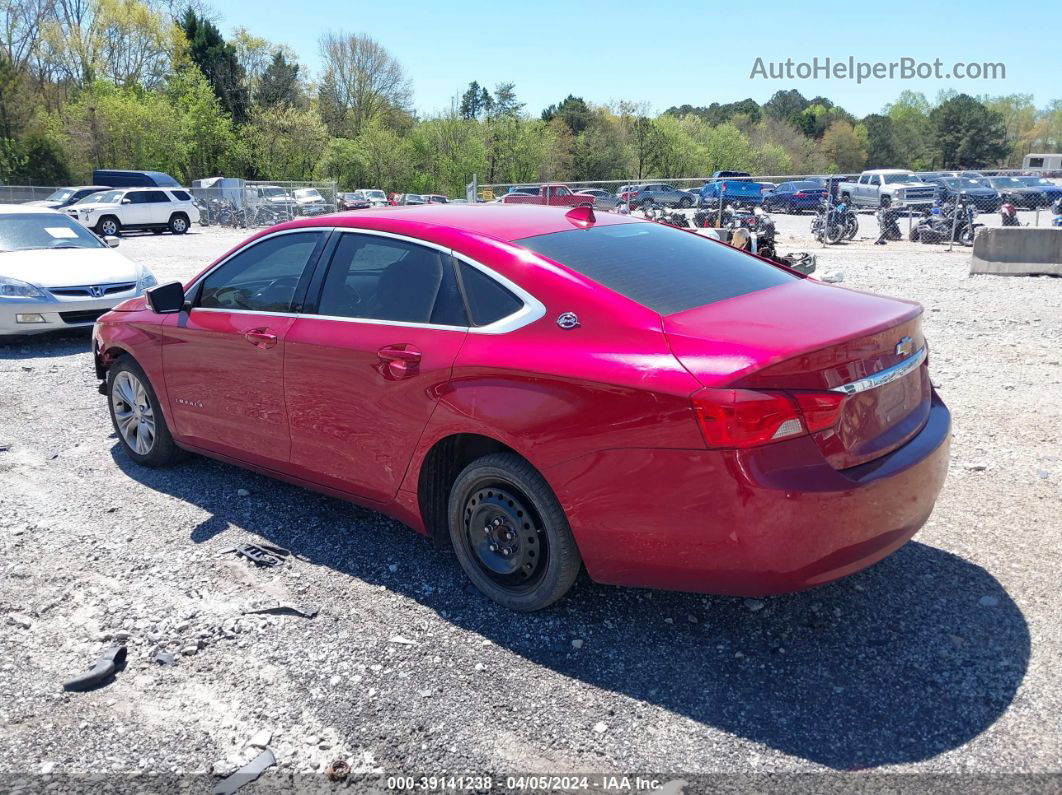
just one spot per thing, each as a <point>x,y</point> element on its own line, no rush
<point>1056,208</point>
<point>828,226</point>
<point>848,219</point>
<point>940,222</point>
<point>1009,214</point>
<point>889,229</point>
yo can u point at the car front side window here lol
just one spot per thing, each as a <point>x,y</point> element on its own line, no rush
<point>263,277</point>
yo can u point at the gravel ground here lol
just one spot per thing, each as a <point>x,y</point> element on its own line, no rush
<point>942,658</point>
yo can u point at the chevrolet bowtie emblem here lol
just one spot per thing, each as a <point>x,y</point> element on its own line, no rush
<point>905,347</point>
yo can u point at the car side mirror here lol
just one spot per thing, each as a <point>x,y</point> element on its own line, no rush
<point>127,201</point>
<point>166,299</point>
<point>111,241</point>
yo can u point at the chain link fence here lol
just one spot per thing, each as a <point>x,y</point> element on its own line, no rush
<point>225,201</point>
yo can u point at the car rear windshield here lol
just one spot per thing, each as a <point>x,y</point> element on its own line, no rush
<point>663,268</point>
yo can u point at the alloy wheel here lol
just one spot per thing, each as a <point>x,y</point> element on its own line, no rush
<point>133,413</point>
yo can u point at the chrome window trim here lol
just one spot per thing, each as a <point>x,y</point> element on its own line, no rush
<point>532,309</point>
<point>886,376</point>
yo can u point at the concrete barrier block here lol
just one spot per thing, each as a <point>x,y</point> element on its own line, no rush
<point>1018,251</point>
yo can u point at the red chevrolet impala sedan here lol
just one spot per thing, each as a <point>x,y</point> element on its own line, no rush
<point>547,390</point>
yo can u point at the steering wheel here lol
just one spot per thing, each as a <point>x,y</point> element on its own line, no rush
<point>284,282</point>
<point>234,295</point>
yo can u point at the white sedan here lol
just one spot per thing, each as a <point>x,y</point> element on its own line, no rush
<point>56,274</point>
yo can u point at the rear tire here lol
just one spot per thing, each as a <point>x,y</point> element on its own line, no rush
<point>108,226</point>
<point>914,235</point>
<point>510,534</point>
<point>137,416</point>
<point>685,202</point>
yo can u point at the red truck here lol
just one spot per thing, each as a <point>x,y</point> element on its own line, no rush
<point>554,194</point>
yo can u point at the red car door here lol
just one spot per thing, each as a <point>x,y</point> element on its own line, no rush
<point>224,359</point>
<point>365,363</point>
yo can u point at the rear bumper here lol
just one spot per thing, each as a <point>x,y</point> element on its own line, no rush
<point>771,520</point>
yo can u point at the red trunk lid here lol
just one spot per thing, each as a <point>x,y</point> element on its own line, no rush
<point>808,336</point>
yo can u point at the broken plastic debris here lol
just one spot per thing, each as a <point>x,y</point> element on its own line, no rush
<point>278,609</point>
<point>246,774</point>
<point>111,660</point>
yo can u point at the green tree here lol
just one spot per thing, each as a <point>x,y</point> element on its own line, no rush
<point>883,149</point>
<point>209,144</point>
<point>279,84</point>
<point>911,126</point>
<point>967,134</point>
<point>784,104</point>
<point>573,112</point>
<point>844,147</point>
<point>284,143</point>
<point>218,61</point>
<point>475,102</point>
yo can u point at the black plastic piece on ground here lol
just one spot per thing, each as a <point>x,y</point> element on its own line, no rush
<point>284,610</point>
<point>261,554</point>
<point>111,660</point>
<point>246,774</point>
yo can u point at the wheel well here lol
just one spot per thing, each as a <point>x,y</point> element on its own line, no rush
<point>440,469</point>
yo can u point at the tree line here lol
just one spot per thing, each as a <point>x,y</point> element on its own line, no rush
<point>154,84</point>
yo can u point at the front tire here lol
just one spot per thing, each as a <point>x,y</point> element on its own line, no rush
<point>137,417</point>
<point>685,202</point>
<point>510,534</point>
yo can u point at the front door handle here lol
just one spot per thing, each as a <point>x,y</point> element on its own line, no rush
<point>261,337</point>
<point>399,361</point>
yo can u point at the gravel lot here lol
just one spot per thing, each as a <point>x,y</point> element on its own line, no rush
<point>942,658</point>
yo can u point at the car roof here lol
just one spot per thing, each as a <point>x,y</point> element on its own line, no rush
<point>21,209</point>
<point>507,222</point>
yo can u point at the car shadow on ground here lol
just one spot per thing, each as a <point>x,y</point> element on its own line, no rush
<point>907,660</point>
<point>47,345</point>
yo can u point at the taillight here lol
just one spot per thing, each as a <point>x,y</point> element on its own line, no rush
<point>820,409</point>
<point>739,418</point>
<point>799,194</point>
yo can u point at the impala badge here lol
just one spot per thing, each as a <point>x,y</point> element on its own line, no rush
<point>905,347</point>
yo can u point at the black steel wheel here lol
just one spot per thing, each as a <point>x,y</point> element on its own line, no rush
<point>510,534</point>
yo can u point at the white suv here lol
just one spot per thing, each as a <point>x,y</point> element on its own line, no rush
<point>157,209</point>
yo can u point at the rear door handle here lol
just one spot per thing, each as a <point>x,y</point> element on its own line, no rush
<point>400,353</point>
<point>399,361</point>
<point>261,337</point>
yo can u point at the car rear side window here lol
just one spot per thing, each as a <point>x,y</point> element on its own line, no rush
<point>665,269</point>
<point>379,278</point>
<point>488,301</point>
<point>262,277</point>
<point>181,195</point>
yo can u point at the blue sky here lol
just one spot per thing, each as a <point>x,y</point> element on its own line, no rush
<point>669,53</point>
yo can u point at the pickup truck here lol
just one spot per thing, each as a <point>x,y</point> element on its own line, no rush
<point>554,194</point>
<point>887,187</point>
<point>738,192</point>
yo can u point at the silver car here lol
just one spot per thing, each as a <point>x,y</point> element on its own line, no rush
<point>56,274</point>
